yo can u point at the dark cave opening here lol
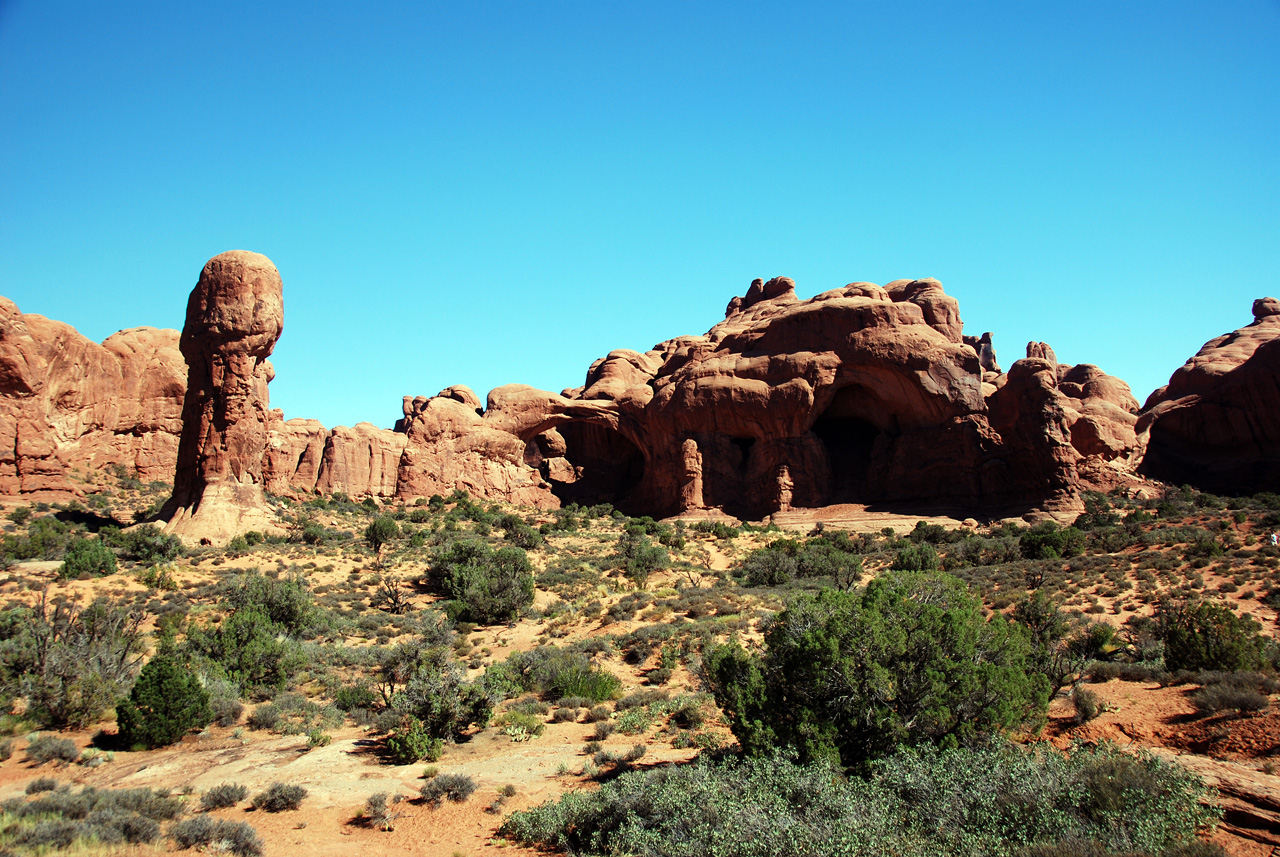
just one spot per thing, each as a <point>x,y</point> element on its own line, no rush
<point>848,429</point>
<point>606,467</point>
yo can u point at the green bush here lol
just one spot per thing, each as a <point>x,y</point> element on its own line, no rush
<point>1047,540</point>
<point>1208,635</point>
<point>381,532</point>
<point>490,585</point>
<point>783,560</point>
<point>848,676</point>
<point>87,558</point>
<point>553,673</point>
<point>166,702</point>
<point>640,557</point>
<point>147,543</point>
<point>921,557</point>
<point>249,648</point>
<point>413,743</point>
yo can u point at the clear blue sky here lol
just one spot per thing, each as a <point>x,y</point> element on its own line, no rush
<point>482,192</point>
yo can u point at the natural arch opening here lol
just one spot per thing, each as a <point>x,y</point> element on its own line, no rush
<point>848,429</point>
<point>599,465</point>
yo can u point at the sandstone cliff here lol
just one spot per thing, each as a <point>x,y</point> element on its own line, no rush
<point>1216,425</point>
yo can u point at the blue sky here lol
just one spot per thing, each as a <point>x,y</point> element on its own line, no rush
<point>485,192</point>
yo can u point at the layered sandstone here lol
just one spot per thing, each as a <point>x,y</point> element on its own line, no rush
<point>235,316</point>
<point>68,403</point>
<point>1216,425</point>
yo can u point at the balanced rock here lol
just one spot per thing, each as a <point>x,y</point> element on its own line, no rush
<point>235,316</point>
<point>1216,425</point>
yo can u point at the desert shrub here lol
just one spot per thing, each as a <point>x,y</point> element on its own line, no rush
<point>1086,704</point>
<point>226,710</point>
<point>351,697</point>
<point>921,557</point>
<point>381,532</point>
<point>431,687</point>
<point>996,801</point>
<point>42,748</point>
<point>265,717</point>
<point>640,557</point>
<point>204,831</point>
<point>489,585</point>
<point>378,811</point>
<point>833,555</point>
<point>454,787</point>
<point>553,673</point>
<point>1047,540</point>
<point>1216,698</point>
<point>279,797</point>
<point>248,646</point>
<point>166,702</point>
<point>1208,635</point>
<point>915,660</point>
<point>286,601</point>
<point>147,543</point>
<point>41,784</point>
<point>87,558</point>
<point>70,663</point>
<point>223,796</point>
<point>411,742</point>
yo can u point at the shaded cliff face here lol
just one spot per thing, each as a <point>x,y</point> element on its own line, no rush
<point>1216,425</point>
<point>67,402</point>
<point>861,394</point>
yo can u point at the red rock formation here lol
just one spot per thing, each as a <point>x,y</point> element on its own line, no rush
<point>235,316</point>
<point>1216,425</point>
<point>860,394</point>
<point>68,403</point>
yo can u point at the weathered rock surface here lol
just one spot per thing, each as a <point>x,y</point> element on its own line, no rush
<point>861,394</point>
<point>235,316</point>
<point>1216,425</point>
<point>69,403</point>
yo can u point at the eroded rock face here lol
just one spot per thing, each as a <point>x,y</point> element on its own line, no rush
<point>68,403</point>
<point>864,393</point>
<point>235,316</point>
<point>1216,425</point>
<point>860,394</point>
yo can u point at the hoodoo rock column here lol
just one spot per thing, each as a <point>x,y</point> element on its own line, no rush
<point>234,318</point>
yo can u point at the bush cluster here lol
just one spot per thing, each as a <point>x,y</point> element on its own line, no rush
<point>999,801</point>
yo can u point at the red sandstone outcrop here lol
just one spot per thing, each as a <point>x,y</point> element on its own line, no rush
<point>68,403</point>
<point>864,393</point>
<point>1216,425</point>
<point>235,316</point>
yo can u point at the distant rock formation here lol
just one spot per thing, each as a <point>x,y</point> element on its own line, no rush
<point>68,403</point>
<point>1216,425</point>
<point>865,393</point>
<point>235,316</point>
<point>860,394</point>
